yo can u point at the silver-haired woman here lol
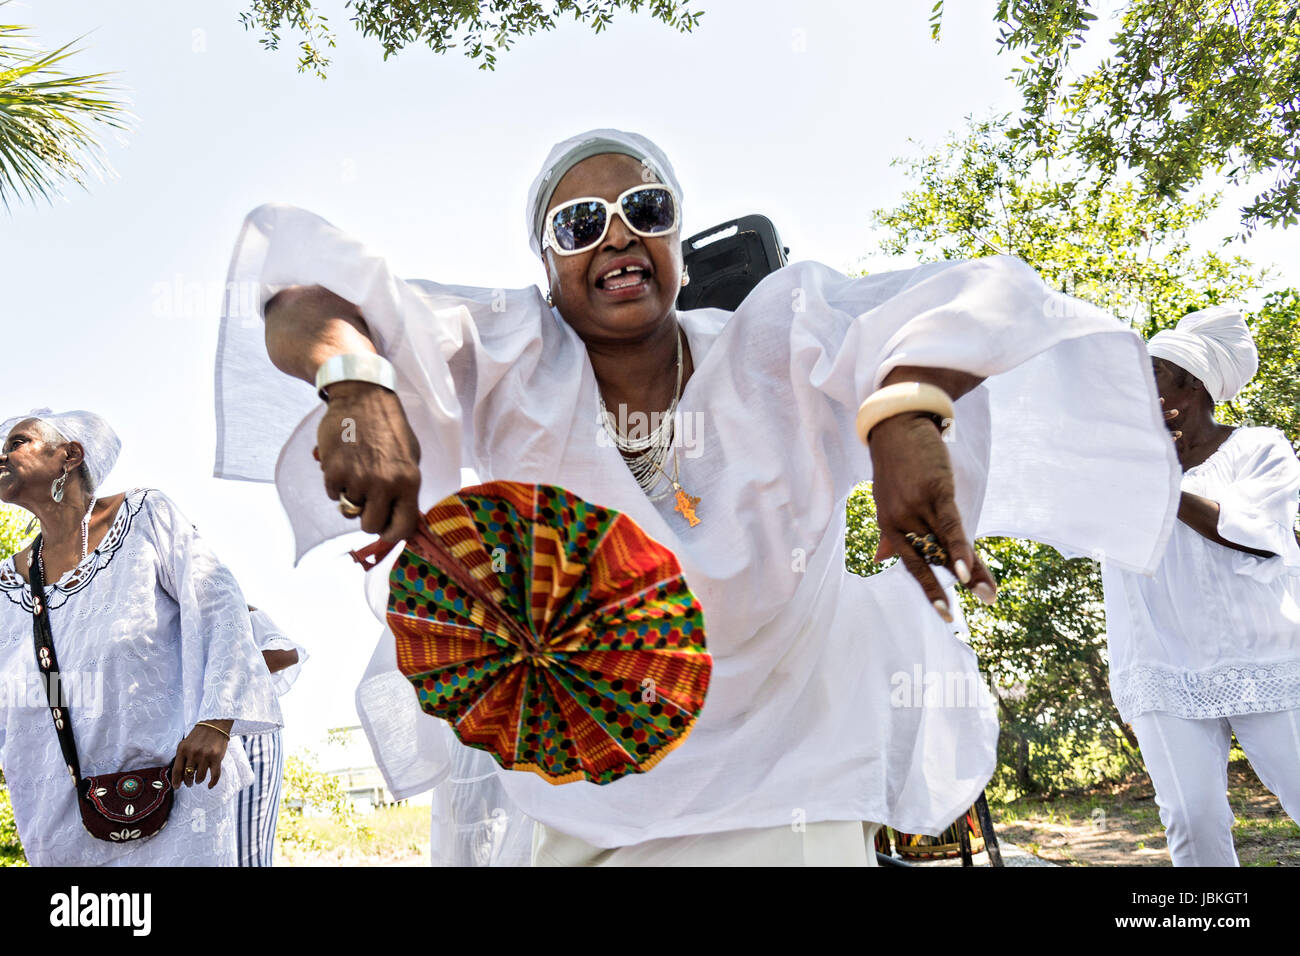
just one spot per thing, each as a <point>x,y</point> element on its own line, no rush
<point>155,660</point>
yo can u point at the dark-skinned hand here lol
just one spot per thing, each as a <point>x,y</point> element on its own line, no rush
<point>203,750</point>
<point>1169,422</point>
<point>912,483</point>
<point>380,469</point>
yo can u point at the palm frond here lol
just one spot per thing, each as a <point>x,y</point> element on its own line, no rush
<point>50,121</point>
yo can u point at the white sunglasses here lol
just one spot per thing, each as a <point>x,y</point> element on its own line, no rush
<point>649,210</point>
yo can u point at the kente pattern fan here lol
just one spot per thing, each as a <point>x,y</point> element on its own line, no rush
<point>549,631</point>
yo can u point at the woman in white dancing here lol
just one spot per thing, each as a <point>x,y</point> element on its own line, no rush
<point>797,755</point>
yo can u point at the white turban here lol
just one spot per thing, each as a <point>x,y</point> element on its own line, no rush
<point>1215,346</point>
<point>564,156</point>
<point>97,439</point>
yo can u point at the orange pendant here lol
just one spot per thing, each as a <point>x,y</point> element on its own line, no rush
<point>686,505</point>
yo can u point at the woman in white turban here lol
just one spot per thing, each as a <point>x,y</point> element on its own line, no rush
<point>1210,646</point>
<point>805,735</point>
<point>154,649</point>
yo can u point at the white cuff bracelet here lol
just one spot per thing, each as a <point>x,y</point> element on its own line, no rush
<point>355,367</point>
<point>905,397</point>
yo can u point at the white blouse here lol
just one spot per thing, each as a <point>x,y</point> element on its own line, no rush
<point>152,635</point>
<point>1216,632</point>
<point>798,723</point>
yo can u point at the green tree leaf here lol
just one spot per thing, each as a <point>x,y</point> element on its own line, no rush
<point>480,28</point>
<point>1043,645</point>
<point>1190,88</point>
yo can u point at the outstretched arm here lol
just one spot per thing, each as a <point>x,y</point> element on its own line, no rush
<point>914,490</point>
<point>365,444</point>
<point>306,325</point>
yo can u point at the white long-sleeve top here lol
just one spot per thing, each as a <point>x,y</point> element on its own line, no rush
<point>1216,631</point>
<point>798,722</point>
<point>152,635</point>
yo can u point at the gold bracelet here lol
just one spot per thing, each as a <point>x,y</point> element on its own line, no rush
<point>204,723</point>
<point>904,397</point>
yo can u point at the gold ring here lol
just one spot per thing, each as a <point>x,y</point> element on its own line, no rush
<point>928,547</point>
<point>348,508</point>
<point>189,769</point>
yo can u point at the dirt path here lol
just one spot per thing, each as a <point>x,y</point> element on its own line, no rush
<point>1115,825</point>
<point>1120,825</point>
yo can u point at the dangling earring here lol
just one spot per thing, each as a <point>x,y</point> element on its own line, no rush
<point>549,300</point>
<point>686,276</point>
<point>56,487</point>
<point>31,525</point>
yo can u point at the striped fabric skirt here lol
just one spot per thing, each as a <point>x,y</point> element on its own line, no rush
<point>259,803</point>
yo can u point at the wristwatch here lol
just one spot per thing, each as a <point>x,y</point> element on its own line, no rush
<point>355,367</point>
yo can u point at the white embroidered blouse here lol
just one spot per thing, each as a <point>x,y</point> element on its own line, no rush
<point>1216,632</point>
<point>152,635</point>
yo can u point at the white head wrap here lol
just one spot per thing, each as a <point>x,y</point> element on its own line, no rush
<point>564,156</point>
<point>97,439</point>
<point>1215,346</point>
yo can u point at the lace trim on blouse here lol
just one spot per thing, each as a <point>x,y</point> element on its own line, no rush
<point>18,591</point>
<point>1222,691</point>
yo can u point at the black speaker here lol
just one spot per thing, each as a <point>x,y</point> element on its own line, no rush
<point>727,261</point>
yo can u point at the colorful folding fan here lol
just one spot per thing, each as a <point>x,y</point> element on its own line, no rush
<point>549,631</point>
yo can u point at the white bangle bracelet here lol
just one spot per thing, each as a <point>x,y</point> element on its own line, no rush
<point>355,367</point>
<point>905,397</point>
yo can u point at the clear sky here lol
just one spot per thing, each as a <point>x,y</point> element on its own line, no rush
<point>111,296</point>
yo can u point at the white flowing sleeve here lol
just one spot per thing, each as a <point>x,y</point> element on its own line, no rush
<point>1063,443</point>
<point>1258,509</point>
<point>268,637</point>
<point>224,675</point>
<point>432,333</point>
<point>464,359</point>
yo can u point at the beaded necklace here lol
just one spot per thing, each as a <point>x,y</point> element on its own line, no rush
<point>645,456</point>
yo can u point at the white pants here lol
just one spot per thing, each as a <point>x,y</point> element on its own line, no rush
<point>831,843</point>
<point>1188,763</point>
